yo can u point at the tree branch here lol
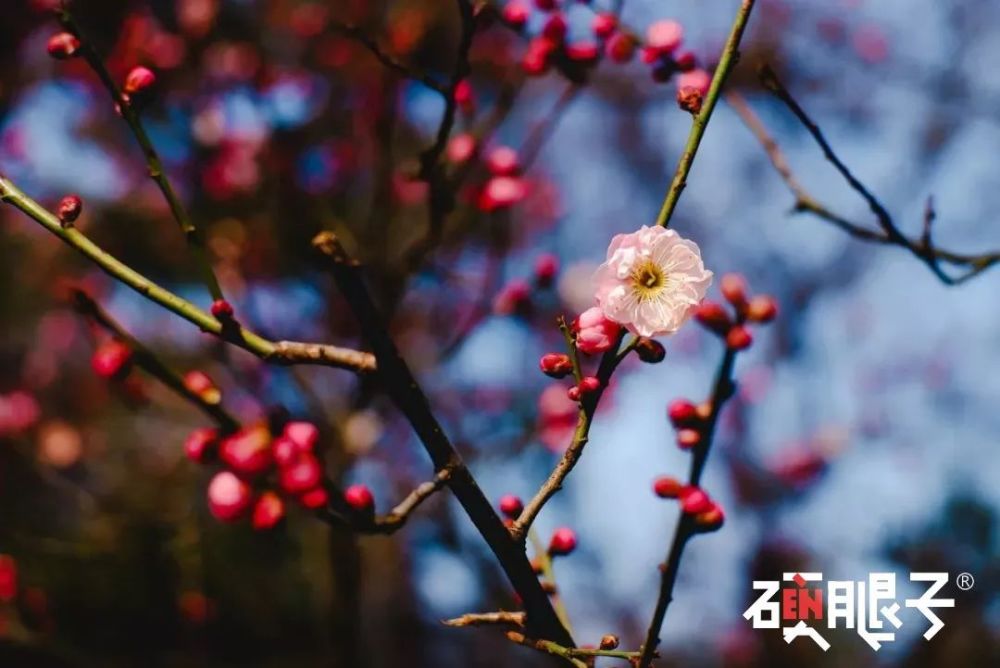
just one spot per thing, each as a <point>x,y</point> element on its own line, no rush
<point>280,352</point>
<point>403,388</point>
<point>397,66</point>
<point>727,60</point>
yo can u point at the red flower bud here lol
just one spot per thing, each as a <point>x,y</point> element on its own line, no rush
<point>360,498</point>
<point>268,511</point>
<point>511,506</point>
<point>315,498</point>
<point>111,359</point>
<point>503,161</point>
<point>762,308</point>
<point>69,209</point>
<point>583,52</point>
<point>8,578</point>
<point>556,365</point>
<point>555,28</point>
<point>574,393</point>
<point>682,413</point>
<point>199,444</point>
<point>609,642</point>
<point>303,434</point>
<point>710,520</point>
<point>516,13</point>
<point>621,47</point>
<point>63,45</point>
<point>589,384</point>
<point>222,310</point>
<point>685,61</point>
<point>563,542</point>
<point>301,475</point>
<point>248,451</point>
<point>137,80</point>
<point>734,288</point>
<point>285,451</point>
<point>199,383</point>
<point>694,501</point>
<point>688,438</point>
<point>228,497</point>
<point>713,317</point>
<point>666,487</point>
<point>604,24</point>
<point>464,96</point>
<point>650,351</point>
<point>546,268</point>
<point>739,338</point>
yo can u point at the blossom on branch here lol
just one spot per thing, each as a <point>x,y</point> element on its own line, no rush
<point>651,281</point>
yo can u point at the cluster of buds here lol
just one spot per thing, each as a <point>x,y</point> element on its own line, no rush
<point>695,503</point>
<point>505,186</point>
<point>550,45</point>
<point>515,297</point>
<point>260,471</point>
<point>758,309</point>
<point>689,420</point>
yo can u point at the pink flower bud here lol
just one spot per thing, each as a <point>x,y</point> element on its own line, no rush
<point>303,434</point>
<point>583,52</point>
<point>516,13</point>
<point>111,359</point>
<point>511,506</point>
<point>739,338</point>
<point>512,298</point>
<point>69,209</point>
<point>688,438</point>
<point>734,288</point>
<point>690,99</point>
<point>285,451</point>
<point>574,393</point>
<point>694,501</point>
<point>713,317</point>
<point>199,444</point>
<point>63,45</point>
<point>664,36</point>
<point>563,542</point>
<point>503,161</point>
<point>315,498</point>
<point>228,497</point>
<point>248,451</point>
<point>666,487</point>
<point>589,384</point>
<point>685,61</point>
<point>301,475</point>
<point>604,24</point>
<point>556,365</point>
<point>360,498</point>
<point>199,383</point>
<point>267,512</point>
<point>594,332</point>
<point>620,47</point>
<point>546,268</point>
<point>762,309</point>
<point>137,80</point>
<point>502,192</point>
<point>711,519</point>
<point>461,148</point>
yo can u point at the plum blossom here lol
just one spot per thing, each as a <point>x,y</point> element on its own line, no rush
<point>651,281</point>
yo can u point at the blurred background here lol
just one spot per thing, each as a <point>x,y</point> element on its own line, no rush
<point>863,436</point>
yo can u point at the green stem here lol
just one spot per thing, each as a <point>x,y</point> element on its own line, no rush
<point>730,54</point>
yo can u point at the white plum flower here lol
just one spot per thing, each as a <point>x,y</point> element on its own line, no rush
<point>651,281</point>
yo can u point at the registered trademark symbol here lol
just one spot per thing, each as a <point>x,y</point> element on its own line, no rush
<point>965,581</point>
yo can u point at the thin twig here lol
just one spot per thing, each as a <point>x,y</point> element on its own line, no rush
<point>727,60</point>
<point>577,657</point>
<point>396,518</point>
<point>147,360</point>
<point>397,66</point>
<point>154,164</point>
<point>889,233</point>
<point>275,352</point>
<point>486,619</point>
<point>721,392</point>
<point>403,388</point>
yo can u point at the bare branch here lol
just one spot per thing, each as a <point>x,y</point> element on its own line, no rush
<point>487,619</point>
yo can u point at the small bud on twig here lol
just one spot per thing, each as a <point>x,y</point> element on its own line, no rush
<point>69,209</point>
<point>63,45</point>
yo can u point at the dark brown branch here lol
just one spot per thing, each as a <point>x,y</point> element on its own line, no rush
<point>397,66</point>
<point>888,233</point>
<point>403,388</point>
<point>686,527</point>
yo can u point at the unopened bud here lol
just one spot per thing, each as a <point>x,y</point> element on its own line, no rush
<point>137,80</point>
<point>609,641</point>
<point>63,45</point>
<point>713,317</point>
<point>762,308</point>
<point>650,351</point>
<point>667,487</point>
<point>556,365</point>
<point>69,209</point>
<point>739,338</point>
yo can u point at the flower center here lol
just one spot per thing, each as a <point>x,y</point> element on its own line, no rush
<point>648,280</point>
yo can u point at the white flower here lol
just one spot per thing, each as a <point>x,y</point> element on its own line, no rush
<point>651,281</point>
